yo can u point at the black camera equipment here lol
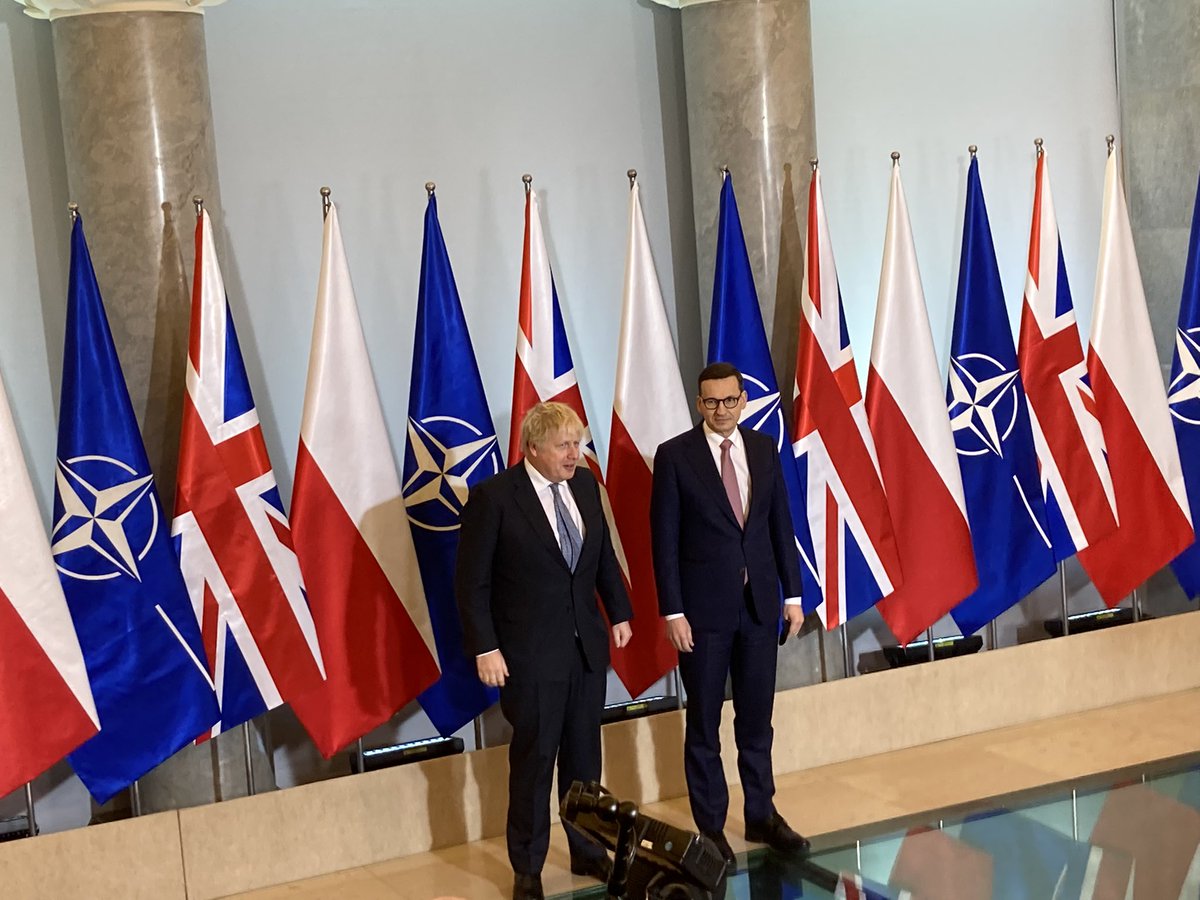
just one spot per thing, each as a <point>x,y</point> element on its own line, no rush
<point>651,859</point>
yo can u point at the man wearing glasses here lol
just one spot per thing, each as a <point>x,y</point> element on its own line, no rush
<point>723,545</point>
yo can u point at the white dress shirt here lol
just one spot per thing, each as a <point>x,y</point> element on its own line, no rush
<point>741,468</point>
<point>541,487</point>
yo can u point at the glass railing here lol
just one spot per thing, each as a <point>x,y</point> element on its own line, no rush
<point>1133,833</point>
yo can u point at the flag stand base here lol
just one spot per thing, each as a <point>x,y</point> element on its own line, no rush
<point>943,648</point>
<point>1092,621</point>
<point>403,754</point>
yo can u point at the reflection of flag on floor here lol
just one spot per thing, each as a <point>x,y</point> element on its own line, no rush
<point>848,530</point>
<point>121,578</point>
<point>855,887</point>
<point>736,335</point>
<point>230,530</point>
<point>915,447</point>
<point>1076,483</point>
<point>649,406</point>
<point>992,437</point>
<point>46,705</point>
<point>935,866</point>
<point>1184,398</point>
<point>351,530</point>
<point>1160,835</point>
<point>1152,511</point>
<point>451,446</point>
<point>1032,861</point>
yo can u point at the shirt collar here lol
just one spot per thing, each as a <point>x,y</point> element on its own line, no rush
<point>715,439</point>
<point>540,481</point>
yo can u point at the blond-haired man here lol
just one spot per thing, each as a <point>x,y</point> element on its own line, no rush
<point>533,554</point>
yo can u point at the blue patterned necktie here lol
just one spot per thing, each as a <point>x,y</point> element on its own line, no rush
<point>569,539</point>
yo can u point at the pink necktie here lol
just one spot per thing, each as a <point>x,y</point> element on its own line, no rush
<point>729,479</point>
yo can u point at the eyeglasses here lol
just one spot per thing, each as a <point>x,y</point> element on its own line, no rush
<point>713,402</point>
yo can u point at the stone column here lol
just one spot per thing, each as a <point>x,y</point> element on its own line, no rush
<point>137,129</point>
<point>749,80</point>
<point>1158,69</point>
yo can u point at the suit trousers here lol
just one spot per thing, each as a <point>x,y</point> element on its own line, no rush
<point>552,718</point>
<point>747,657</point>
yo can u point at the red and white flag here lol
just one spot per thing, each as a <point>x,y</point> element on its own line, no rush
<point>1154,524</point>
<point>351,530</point>
<point>649,406</point>
<point>835,457</point>
<point>915,446</point>
<point>1076,483</point>
<point>230,529</point>
<point>46,705</point>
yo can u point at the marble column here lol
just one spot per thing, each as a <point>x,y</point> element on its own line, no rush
<point>749,81</point>
<point>137,129</point>
<point>1158,87</point>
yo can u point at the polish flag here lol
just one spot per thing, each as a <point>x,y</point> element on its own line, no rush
<point>231,533</point>
<point>907,413</point>
<point>1154,524</point>
<point>351,530</point>
<point>649,406</point>
<point>46,705</point>
<point>1076,483</point>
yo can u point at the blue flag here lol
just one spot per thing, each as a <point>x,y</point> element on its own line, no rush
<point>736,335</point>
<point>451,446</point>
<point>1030,860</point>
<point>1183,395</point>
<point>112,544</point>
<point>992,435</point>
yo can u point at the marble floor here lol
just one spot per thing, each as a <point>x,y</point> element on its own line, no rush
<point>826,802</point>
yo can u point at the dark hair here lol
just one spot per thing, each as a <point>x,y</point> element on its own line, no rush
<point>717,371</point>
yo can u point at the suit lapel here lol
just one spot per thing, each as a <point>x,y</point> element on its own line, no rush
<point>589,511</point>
<point>529,504</point>
<point>759,465</point>
<point>700,457</point>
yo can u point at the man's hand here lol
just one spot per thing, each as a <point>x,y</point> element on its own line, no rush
<point>622,632</point>
<point>793,614</point>
<point>492,668</point>
<point>679,633</point>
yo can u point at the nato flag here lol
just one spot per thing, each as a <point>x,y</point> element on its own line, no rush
<point>736,335</point>
<point>451,446</point>
<point>992,435</point>
<point>1184,398</point>
<point>112,544</point>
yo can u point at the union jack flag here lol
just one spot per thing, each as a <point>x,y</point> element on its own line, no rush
<point>230,529</point>
<point>850,547</point>
<point>1076,482</point>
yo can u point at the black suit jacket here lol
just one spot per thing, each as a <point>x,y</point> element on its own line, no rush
<point>702,560</point>
<point>514,590</point>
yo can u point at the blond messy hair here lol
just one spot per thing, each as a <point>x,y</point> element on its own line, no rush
<point>545,420</point>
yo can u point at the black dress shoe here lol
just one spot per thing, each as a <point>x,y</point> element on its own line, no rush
<point>598,867</point>
<point>778,835</point>
<point>718,838</point>
<point>527,887</point>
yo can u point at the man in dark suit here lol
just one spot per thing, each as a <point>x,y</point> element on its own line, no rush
<point>723,545</point>
<point>533,553</point>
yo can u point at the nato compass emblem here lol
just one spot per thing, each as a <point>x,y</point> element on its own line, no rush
<point>763,411</point>
<point>983,404</point>
<point>1183,394</point>
<point>106,518</point>
<point>448,453</point>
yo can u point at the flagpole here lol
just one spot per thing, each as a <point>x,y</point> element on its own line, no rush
<point>325,202</point>
<point>1062,589</point>
<point>249,761</point>
<point>198,202</point>
<point>135,797</point>
<point>678,684</point>
<point>632,176</point>
<point>929,640</point>
<point>30,816</point>
<point>478,722</point>
<point>527,180</point>
<point>820,632</point>
<point>358,749</point>
<point>1136,598</point>
<point>991,631</point>
<point>847,656</point>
